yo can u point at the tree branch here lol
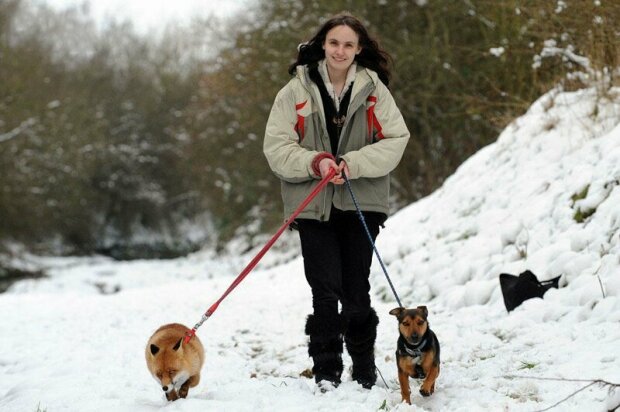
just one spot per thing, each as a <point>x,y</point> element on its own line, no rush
<point>13,133</point>
<point>590,383</point>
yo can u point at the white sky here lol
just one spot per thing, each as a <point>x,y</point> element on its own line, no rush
<point>152,14</point>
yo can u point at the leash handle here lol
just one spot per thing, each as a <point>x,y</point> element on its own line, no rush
<point>259,256</point>
<point>363,220</point>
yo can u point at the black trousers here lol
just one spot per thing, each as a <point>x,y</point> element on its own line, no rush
<point>337,256</point>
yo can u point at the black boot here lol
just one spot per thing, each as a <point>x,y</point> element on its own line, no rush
<point>325,347</point>
<point>360,339</point>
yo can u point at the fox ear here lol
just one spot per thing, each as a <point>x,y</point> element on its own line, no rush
<point>424,311</point>
<point>154,349</point>
<point>397,311</point>
<point>177,345</point>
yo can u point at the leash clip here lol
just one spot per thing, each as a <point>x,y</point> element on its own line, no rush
<point>190,333</point>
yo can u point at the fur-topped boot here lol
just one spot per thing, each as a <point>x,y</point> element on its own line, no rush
<point>360,340</point>
<point>325,348</point>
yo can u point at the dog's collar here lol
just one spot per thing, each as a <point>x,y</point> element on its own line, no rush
<point>415,351</point>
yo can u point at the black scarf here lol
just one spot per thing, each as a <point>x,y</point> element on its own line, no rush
<point>334,119</point>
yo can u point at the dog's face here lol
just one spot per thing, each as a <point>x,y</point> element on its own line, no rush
<point>412,323</point>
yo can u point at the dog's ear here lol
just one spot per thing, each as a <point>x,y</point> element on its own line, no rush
<point>154,349</point>
<point>397,311</point>
<point>424,311</point>
<point>177,346</point>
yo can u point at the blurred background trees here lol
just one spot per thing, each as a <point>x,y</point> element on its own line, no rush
<point>137,146</point>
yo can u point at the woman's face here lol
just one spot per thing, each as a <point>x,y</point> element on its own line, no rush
<point>341,45</point>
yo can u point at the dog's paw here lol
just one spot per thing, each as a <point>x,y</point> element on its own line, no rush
<point>424,392</point>
<point>172,395</point>
<point>418,372</point>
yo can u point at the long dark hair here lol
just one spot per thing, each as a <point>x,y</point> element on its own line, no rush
<point>372,56</point>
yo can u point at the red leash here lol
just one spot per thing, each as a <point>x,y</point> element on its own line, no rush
<point>259,256</point>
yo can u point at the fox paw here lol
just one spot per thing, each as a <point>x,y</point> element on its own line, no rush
<point>183,391</point>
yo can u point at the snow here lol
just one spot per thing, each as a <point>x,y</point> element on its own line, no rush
<point>75,341</point>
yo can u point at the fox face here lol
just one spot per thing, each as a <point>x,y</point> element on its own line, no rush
<point>168,366</point>
<point>172,363</point>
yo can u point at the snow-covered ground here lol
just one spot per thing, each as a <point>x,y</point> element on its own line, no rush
<point>75,341</point>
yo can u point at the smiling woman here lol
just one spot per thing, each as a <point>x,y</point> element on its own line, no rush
<point>150,15</point>
<point>345,121</point>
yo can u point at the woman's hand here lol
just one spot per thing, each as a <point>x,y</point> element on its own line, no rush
<point>327,164</point>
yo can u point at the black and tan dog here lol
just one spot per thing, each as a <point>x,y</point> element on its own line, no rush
<point>417,351</point>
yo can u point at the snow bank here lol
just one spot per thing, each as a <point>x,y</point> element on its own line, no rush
<point>544,197</point>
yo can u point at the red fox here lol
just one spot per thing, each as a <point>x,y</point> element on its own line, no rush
<point>175,365</point>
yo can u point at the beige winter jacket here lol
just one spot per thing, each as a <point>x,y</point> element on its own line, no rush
<point>372,142</point>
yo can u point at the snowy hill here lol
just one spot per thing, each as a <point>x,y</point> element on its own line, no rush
<point>544,197</point>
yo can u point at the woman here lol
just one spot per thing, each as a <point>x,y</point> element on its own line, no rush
<point>337,113</point>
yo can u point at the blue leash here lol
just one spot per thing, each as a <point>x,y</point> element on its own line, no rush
<point>361,216</point>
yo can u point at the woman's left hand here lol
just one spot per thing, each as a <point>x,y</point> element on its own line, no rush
<point>342,168</point>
